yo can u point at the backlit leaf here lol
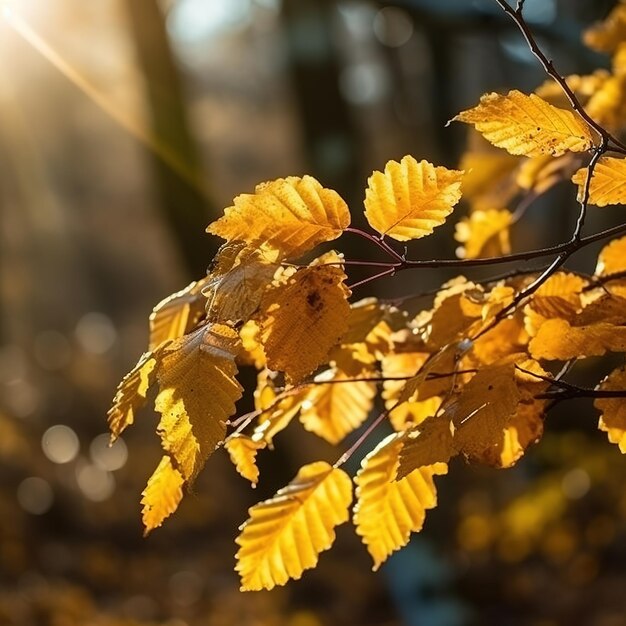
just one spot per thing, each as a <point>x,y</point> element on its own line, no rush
<point>303,319</point>
<point>177,314</point>
<point>527,125</point>
<point>334,407</point>
<point>197,395</point>
<point>285,534</point>
<point>428,443</point>
<point>162,494</point>
<point>131,393</point>
<point>242,451</point>
<point>560,341</point>
<point>613,417</point>
<point>608,183</point>
<point>484,234</point>
<point>410,199</point>
<point>388,511</point>
<point>607,35</point>
<point>234,293</point>
<point>292,215</point>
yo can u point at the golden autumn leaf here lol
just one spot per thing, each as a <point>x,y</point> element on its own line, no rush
<point>484,233</point>
<point>131,393</point>
<point>410,199</point>
<point>429,443</point>
<point>480,412</point>
<point>506,338</point>
<point>558,297</point>
<point>276,409</point>
<point>613,410</point>
<point>388,511</point>
<point>558,340</point>
<point>335,406</point>
<point>607,35</point>
<point>527,125</point>
<point>197,395</point>
<point>608,183</point>
<point>291,215</point>
<point>285,534</point>
<point>303,319</point>
<point>242,451</point>
<point>612,258</point>
<point>235,290</point>
<point>540,173</point>
<point>420,406</point>
<point>162,494</point>
<point>489,176</point>
<point>177,314</point>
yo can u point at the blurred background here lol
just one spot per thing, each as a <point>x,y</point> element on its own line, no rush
<point>125,128</point>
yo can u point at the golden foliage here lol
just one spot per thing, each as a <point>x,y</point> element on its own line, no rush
<point>303,319</point>
<point>527,125</point>
<point>162,494</point>
<point>484,234</point>
<point>197,394</point>
<point>608,35</point>
<point>388,511</point>
<point>335,406</point>
<point>243,451</point>
<point>177,314</point>
<point>410,199</point>
<point>291,215</point>
<point>613,410</point>
<point>131,393</point>
<point>558,340</point>
<point>608,183</point>
<point>285,534</point>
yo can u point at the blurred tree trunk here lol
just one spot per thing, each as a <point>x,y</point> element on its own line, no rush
<point>177,166</point>
<point>331,144</point>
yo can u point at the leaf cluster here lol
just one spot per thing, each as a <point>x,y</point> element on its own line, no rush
<point>472,376</point>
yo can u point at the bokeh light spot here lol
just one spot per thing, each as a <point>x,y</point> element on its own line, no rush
<point>393,27</point>
<point>95,483</point>
<point>35,495</point>
<point>95,333</point>
<point>108,457</point>
<point>60,444</point>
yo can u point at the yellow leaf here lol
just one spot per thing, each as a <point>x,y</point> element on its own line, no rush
<point>540,173</point>
<point>420,405</point>
<point>482,409</point>
<point>197,395</point>
<point>177,314</point>
<point>524,428</point>
<point>488,179</point>
<point>285,534</point>
<point>608,184</point>
<point>607,35</point>
<point>612,258</point>
<point>242,451</point>
<point>527,125</point>
<point>557,340</point>
<point>558,297</point>
<point>304,319</point>
<point>388,511</point>
<point>252,349</point>
<point>613,418</point>
<point>277,409</point>
<point>431,442</point>
<point>291,215</point>
<point>234,291</point>
<point>131,393</point>
<point>484,234</point>
<point>508,337</point>
<point>333,408</point>
<point>410,199</point>
<point>162,495</point>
